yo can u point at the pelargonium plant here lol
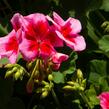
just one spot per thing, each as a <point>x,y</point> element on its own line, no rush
<point>40,40</point>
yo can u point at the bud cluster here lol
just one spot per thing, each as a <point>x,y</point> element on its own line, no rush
<point>78,84</point>
<point>16,71</point>
<point>46,87</point>
<point>105,26</point>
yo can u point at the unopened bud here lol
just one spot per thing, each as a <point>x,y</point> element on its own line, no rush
<point>79,74</point>
<point>84,81</point>
<point>29,65</point>
<point>8,74</point>
<point>17,75</point>
<point>67,87</point>
<point>81,88</point>
<point>44,94</point>
<point>71,83</point>
<point>9,65</point>
<point>14,69</point>
<point>50,77</point>
<point>21,70</point>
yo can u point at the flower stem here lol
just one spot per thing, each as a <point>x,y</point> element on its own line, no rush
<point>55,98</point>
<point>85,99</point>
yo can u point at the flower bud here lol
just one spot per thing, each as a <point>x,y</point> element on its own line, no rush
<point>81,88</point>
<point>44,94</point>
<point>71,83</point>
<point>79,74</point>
<point>9,65</point>
<point>17,75</point>
<point>67,87</point>
<point>14,69</point>
<point>50,77</point>
<point>8,74</point>
<point>21,71</point>
<point>29,65</point>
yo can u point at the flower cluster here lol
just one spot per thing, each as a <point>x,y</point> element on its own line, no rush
<point>34,37</point>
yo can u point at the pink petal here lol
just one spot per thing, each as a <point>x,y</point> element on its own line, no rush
<point>54,23</point>
<point>9,46</point>
<point>29,49</point>
<point>46,50</point>
<point>75,25</point>
<point>57,59</point>
<point>76,42</point>
<point>38,25</point>
<point>18,21</point>
<point>54,39</point>
<point>58,19</point>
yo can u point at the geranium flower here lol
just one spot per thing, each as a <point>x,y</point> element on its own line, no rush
<point>68,31</point>
<point>104,100</point>
<point>9,47</point>
<point>38,38</point>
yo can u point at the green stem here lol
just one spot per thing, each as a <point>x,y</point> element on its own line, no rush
<point>85,100</point>
<point>55,98</point>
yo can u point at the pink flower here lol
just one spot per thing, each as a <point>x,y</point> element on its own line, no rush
<point>57,59</point>
<point>104,100</point>
<point>38,38</point>
<point>68,31</point>
<point>9,47</point>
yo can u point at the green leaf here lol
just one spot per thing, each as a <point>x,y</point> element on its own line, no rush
<point>4,61</point>
<point>98,74</point>
<point>91,94</point>
<point>105,5</point>
<point>58,77</point>
<point>98,67</point>
<point>104,43</point>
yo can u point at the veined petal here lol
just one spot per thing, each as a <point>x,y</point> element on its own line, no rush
<point>18,22</point>
<point>51,20</point>
<point>53,38</point>
<point>75,25</point>
<point>29,49</point>
<point>76,42</point>
<point>46,50</point>
<point>38,25</point>
<point>57,59</point>
<point>9,46</point>
<point>58,19</point>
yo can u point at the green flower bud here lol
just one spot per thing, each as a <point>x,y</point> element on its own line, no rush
<point>84,81</point>
<point>14,69</point>
<point>9,65</point>
<point>71,83</point>
<point>67,87</point>
<point>79,74</point>
<point>50,77</point>
<point>8,74</point>
<point>29,65</point>
<point>81,88</point>
<point>17,75</point>
<point>21,71</point>
<point>44,94</point>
